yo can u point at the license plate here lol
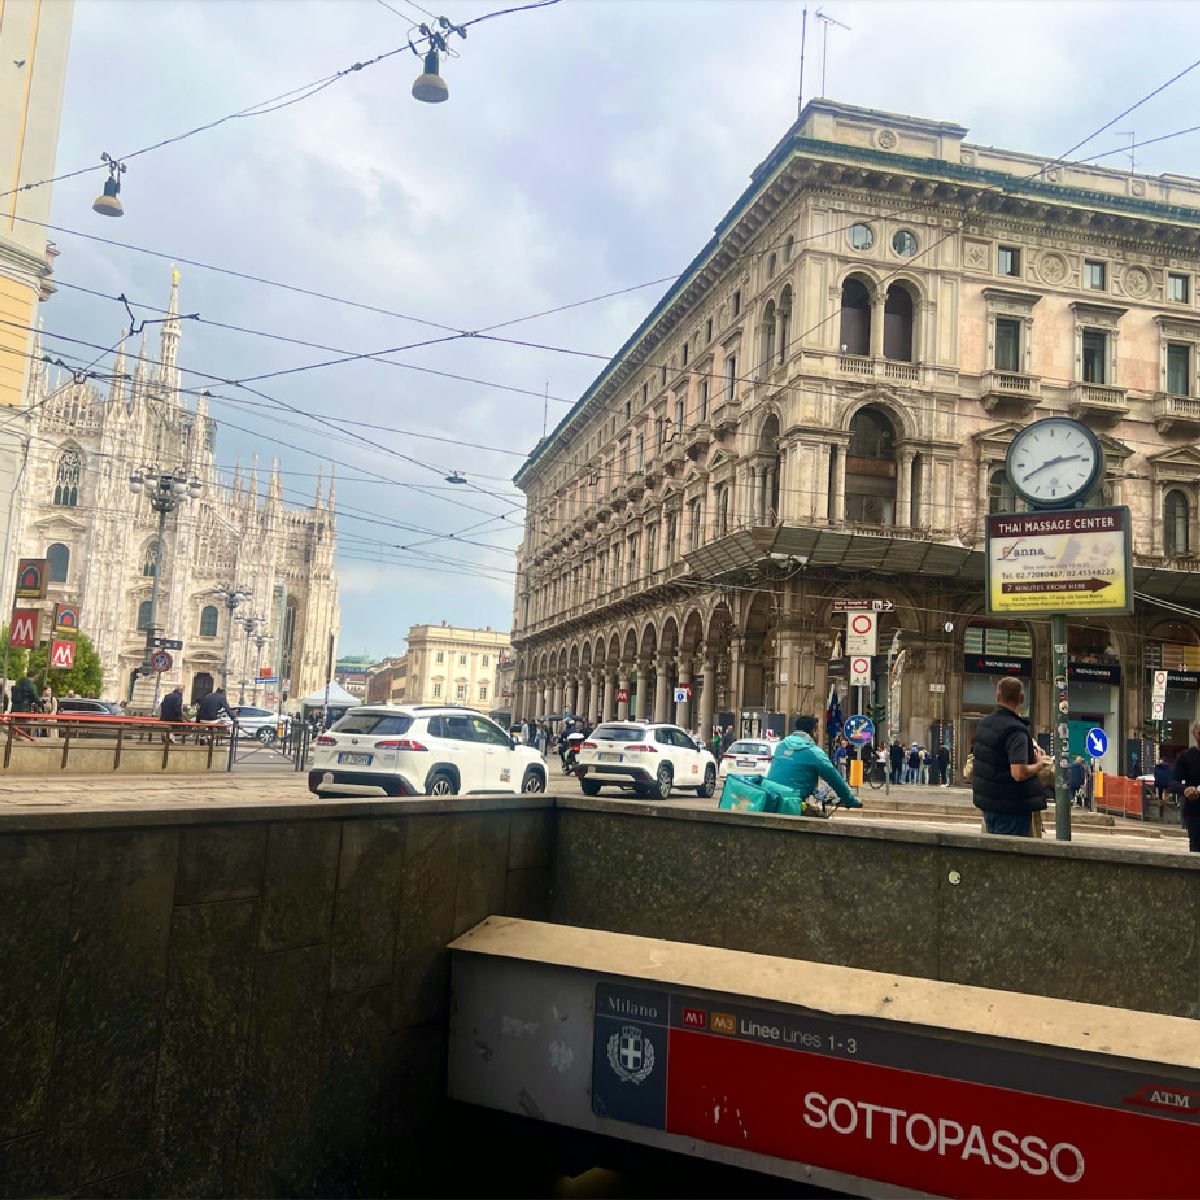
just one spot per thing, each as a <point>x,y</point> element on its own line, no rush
<point>608,757</point>
<point>746,762</point>
<point>357,760</point>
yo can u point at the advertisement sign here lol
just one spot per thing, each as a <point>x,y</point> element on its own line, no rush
<point>861,631</point>
<point>1085,672</point>
<point>990,664</point>
<point>904,1108</point>
<point>23,629</point>
<point>66,618</point>
<point>860,671</point>
<point>32,578</point>
<point>1076,561</point>
<point>62,655</point>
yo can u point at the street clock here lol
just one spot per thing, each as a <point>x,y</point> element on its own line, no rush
<point>1054,463</point>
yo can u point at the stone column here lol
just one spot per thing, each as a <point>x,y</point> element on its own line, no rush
<point>735,682</point>
<point>610,696</point>
<point>556,697</point>
<point>904,470</point>
<point>590,712</point>
<point>623,705</point>
<point>838,500</point>
<point>708,696</point>
<point>662,672</point>
<point>641,708</point>
<point>547,696</point>
<point>681,709</point>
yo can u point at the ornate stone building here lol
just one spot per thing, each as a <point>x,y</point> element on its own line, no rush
<point>77,509</point>
<point>819,410</point>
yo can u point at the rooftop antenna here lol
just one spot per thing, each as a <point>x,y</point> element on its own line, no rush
<point>546,410</point>
<point>1131,136</point>
<point>803,47</point>
<point>826,21</point>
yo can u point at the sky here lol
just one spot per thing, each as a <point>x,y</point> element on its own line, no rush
<point>588,147</point>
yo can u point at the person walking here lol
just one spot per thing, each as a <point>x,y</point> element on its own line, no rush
<point>25,695</point>
<point>896,758</point>
<point>943,765</point>
<point>727,739</point>
<point>1185,783</point>
<point>841,755</point>
<point>912,764</point>
<point>1162,777</point>
<point>1004,782</point>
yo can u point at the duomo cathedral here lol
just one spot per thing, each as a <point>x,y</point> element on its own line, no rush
<point>76,509</point>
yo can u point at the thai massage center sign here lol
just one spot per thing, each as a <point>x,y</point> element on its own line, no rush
<point>1073,561</point>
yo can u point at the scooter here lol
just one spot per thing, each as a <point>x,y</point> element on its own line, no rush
<point>570,753</point>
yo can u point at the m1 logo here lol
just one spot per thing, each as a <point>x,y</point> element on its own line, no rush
<point>23,629</point>
<point>695,1018</point>
<point>62,655</point>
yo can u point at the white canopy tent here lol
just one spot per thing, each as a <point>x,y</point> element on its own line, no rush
<point>337,695</point>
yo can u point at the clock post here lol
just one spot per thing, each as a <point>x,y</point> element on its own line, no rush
<point>1058,559</point>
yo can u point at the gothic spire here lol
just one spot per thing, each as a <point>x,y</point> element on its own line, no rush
<point>254,482</point>
<point>275,490</point>
<point>170,328</point>
<point>332,484</point>
<point>116,389</point>
<point>320,486</point>
<point>235,487</point>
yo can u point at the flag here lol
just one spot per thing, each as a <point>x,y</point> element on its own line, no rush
<point>833,713</point>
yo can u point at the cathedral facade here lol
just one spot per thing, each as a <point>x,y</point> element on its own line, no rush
<point>78,510</point>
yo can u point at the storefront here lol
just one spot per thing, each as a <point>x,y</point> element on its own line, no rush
<point>991,649</point>
<point>1094,679</point>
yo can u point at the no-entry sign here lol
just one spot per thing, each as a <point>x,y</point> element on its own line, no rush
<point>860,671</point>
<point>861,630</point>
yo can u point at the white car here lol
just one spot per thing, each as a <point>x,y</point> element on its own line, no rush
<point>422,750</point>
<point>260,723</point>
<point>750,756</point>
<point>650,759</point>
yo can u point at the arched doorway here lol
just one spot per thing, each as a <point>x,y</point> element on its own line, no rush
<point>202,685</point>
<point>871,469</point>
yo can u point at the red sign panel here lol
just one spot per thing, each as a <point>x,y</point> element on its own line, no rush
<point>23,629</point>
<point>622,695</point>
<point>62,655</point>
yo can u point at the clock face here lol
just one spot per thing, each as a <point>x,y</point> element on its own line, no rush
<point>1054,462</point>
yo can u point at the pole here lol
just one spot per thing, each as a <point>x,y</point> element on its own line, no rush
<point>803,46</point>
<point>8,533</point>
<point>1059,743</point>
<point>230,604</point>
<point>328,677</point>
<point>242,682</point>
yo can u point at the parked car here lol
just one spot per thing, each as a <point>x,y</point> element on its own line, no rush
<point>751,756</point>
<point>79,706</point>
<point>260,723</point>
<point>651,759</point>
<point>423,750</point>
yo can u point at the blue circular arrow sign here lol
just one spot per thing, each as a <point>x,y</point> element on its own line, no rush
<point>1097,742</point>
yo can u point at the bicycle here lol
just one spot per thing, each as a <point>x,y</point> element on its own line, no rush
<point>876,776</point>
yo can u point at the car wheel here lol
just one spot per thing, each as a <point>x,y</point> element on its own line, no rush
<point>590,787</point>
<point>710,782</point>
<point>440,784</point>
<point>266,735</point>
<point>534,781</point>
<point>662,783</point>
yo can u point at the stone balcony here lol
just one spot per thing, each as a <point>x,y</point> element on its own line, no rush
<point>1010,392</point>
<point>1098,402</point>
<point>674,456</point>
<point>894,370</point>
<point>697,440</point>
<point>635,485</point>
<point>725,416</point>
<point>1176,415</point>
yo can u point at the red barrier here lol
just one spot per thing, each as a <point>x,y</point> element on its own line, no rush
<point>1122,797</point>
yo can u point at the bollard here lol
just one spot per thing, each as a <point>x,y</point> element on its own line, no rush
<point>856,772</point>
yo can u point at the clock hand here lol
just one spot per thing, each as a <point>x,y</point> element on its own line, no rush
<point>1053,462</point>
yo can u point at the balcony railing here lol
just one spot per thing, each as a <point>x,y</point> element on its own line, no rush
<point>856,364</point>
<point>1176,414</point>
<point>1011,390</point>
<point>1098,400</point>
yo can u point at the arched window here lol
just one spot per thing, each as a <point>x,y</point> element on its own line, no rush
<point>66,478</point>
<point>768,336</point>
<point>1001,497</point>
<point>143,621</point>
<point>152,559</point>
<point>784,321</point>
<point>871,469</point>
<point>856,317</point>
<point>208,621</point>
<point>788,247</point>
<point>58,558</point>
<point>1176,531</point>
<point>898,324</point>
<point>772,263</point>
<point>767,499</point>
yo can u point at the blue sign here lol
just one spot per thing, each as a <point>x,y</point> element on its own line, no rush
<point>1097,742</point>
<point>859,730</point>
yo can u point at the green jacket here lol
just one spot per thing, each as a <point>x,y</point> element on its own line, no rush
<point>25,696</point>
<point>799,762</point>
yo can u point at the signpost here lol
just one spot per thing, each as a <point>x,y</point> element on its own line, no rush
<point>23,628</point>
<point>162,643</point>
<point>886,606</point>
<point>683,694</point>
<point>860,671</point>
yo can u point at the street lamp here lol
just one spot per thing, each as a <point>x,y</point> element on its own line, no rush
<point>231,596</point>
<point>251,626</point>
<point>260,640</point>
<point>166,491</point>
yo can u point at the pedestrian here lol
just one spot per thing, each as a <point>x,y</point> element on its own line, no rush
<point>727,739</point>
<point>923,764</point>
<point>212,706</point>
<point>171,708</point>
<point>1185,783</point>
<point>25,695</point>
<point>943,765</point>
<point>896,758</point>
<point>841,756</point>
<point>912,763</point>
<point>1076,779</point>
<point>1162,776</point>
<point>1004,781</point>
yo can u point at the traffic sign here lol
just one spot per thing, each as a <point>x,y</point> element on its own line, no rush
<point>1157,707</point>
<point>267,679</point>
<point>860,671</point>
<point>841,606</point>
<point>162,643</point>
<point>861,628</point>
<point>1158,686</point>
<point>1097,742</point>
<point>62,655</point>
<point>683,694</point>
<point>162,661</point>
<point>860,730</point>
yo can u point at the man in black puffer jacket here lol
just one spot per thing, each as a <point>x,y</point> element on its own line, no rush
<point>1004,782</point>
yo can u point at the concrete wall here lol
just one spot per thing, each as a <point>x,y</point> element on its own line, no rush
<point>1114,927</point>
<point>241,1002</point>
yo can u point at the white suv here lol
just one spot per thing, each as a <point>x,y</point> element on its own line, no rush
<point>650,759</point>
<point>423,750</point>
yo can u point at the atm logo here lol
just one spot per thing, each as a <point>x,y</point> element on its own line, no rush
<point>695,1018</point>
<point>1162,1096</point>
<point>723,1023</point>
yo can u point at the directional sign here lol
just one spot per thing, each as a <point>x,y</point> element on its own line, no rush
<point>861,629</point>
<point>162,661</point>
<point>1097,742</point>
<point>1158,686</point>
<point>860,671</point>
<point>62,655</point>
<point>162,643</point>
<point>683,694</point>
<point>859,730</point>
<point>1075,561</point>
<point>841,606</point>
<point>267,679</point>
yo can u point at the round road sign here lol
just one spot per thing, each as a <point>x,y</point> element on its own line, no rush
<point>862,623</point>
<point>162,661</point>
<point>1097,742</point>
<point>859,730</point>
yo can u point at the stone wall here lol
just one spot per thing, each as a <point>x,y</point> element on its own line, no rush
<point>1106,926</point>
<point>242,1002</point>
